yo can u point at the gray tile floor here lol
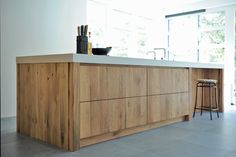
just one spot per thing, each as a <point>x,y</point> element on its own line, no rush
<point>199,138</point>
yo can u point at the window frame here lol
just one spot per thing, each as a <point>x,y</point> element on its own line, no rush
<point>199,31</point>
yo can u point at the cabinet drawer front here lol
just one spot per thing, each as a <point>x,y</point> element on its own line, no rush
<point>163,107</point>
<point>136,82</point>
<point>101,117</point>
<point>93,82</point>
<point>98,82</point>
<point>136,111</point>
<point>167,80</point>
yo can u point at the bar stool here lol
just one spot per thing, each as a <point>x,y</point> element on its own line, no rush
<point>207,83</point>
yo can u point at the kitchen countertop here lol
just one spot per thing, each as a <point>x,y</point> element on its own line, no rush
<point>94,59</point>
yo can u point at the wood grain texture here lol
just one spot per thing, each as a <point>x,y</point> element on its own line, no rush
<point>167,106</point>
<point>136,111</point>
<point>125,132</point>
<point>101,117</point>
<point>136,82</point>
<point>190,92</point>
<point>74,106</point>
<point>18,113</point>
<point>100,82</point>
<point>93,82</point>
<point>117,81</point>
<point>167,80</point>
<point>43,102</point>
<point>221,90</point>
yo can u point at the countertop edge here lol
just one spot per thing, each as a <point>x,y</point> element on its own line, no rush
<point>82,58</point>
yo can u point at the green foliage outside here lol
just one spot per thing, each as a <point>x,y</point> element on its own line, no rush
<point>214,35</point>
<point>210,20</point>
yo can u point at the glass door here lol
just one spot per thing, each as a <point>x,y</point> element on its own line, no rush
<point>232,107</point>
<point>234,103</point>
<point>229,60</point>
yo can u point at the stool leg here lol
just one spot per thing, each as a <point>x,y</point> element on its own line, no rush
<point>202,98</point>
<point>195,106</point>
<point>217,105</point>
<point>210,90</point>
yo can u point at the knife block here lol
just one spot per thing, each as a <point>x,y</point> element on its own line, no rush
<point>82,44</point>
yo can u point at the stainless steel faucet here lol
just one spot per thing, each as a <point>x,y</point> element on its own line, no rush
<point>156,51</point>
<point>164,51</point>
<point>154,54</point>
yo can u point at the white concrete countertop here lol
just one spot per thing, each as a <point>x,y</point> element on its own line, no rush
<point>95,59</point>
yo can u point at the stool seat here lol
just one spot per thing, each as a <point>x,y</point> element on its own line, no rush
<point>206,81</point>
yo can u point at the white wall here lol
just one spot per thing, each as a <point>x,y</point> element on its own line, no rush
<point>34,27</point>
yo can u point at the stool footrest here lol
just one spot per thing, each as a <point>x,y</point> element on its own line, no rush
<point>207,108</point>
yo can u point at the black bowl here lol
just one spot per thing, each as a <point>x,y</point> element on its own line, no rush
<point>101,51</point>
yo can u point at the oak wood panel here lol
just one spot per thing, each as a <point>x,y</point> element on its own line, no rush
<point>136,82</point>
<point>70,105</point>
<point>116,114</point>
<point>168,106</point>
<point>196,74</point>
<point>43,102</point>
<point>167,80</point>
<point>221,90</point>
<point>93,82</point>
<point>73,106</point>
<point>125,132</point>
<point>117,81</point>
<point>99,117</point>
<point>23,105</point>
<point>18,113</point>
<point>99,82</point>
<point>136,111</point>
<point>215,74</point>
<point>189,117</point>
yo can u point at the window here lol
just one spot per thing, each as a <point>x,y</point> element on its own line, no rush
<point>126,31</point>
<point>198,38</point>
<point>183,38</point>
<point>97,26</point>
<point>121,30</point>
<point>212,37</point>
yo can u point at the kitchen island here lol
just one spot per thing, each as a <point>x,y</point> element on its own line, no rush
<point>75,100</point>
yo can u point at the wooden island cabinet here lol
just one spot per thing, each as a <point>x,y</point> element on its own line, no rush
<point>75,100</point>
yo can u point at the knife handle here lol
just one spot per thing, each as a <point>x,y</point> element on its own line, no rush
<point>82,30</point>
<point>85,30</point>
<point>78,29</point>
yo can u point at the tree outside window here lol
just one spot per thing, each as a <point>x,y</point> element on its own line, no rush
<point>212,37</point>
